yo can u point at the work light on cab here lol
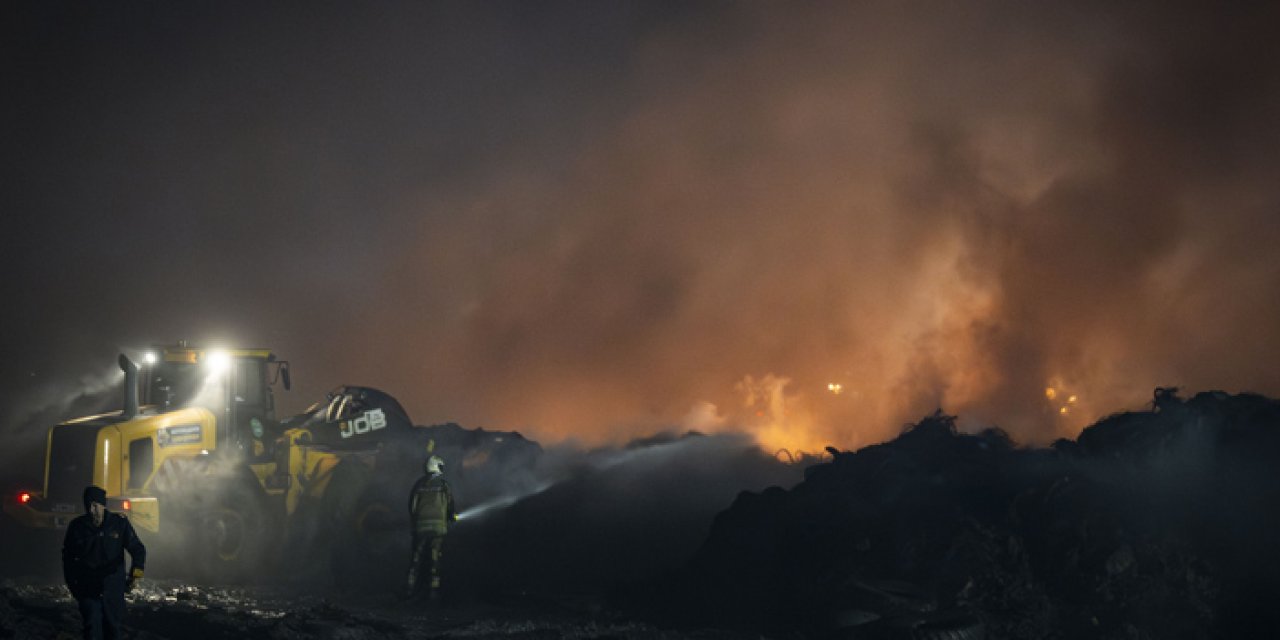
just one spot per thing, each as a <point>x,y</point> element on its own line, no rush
<point>218,361</point>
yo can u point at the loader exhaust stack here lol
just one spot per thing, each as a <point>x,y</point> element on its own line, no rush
<point>130,387</point>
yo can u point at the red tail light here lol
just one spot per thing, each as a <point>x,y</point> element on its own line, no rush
<point>24,497</point>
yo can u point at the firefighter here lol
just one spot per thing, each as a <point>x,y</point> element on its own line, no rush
<point>93,565</point>
<point>430,510</point>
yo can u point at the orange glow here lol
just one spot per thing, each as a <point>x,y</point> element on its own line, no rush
<point>475,459</point>
<point>826,236</point>
<point>126,505</point>
<point>901,345</point>
<point>781,420</point>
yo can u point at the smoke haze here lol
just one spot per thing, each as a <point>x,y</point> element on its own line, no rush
<point>597,221</point>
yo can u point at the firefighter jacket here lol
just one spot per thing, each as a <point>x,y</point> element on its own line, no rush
<point>431,505</point>
<point>93,557</point>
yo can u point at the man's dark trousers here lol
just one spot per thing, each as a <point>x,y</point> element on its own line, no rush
<point>103,615</point>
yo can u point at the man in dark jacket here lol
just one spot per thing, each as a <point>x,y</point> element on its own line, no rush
<point>93,565</point>
<point>430,511</point>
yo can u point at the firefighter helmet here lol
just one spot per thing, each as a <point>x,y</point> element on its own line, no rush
<point>434,464</point>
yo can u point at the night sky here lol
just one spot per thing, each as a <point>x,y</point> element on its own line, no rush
<point>600,219</point>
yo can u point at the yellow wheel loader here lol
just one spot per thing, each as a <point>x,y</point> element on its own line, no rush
<point>197,459</point>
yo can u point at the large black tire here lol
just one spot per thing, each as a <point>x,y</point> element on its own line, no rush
<point>374,552</point>
<point>232,535</point>
<point>381,529</point>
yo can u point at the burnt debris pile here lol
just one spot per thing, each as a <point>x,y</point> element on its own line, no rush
<point>607,517</point>
<point>1152,524</point>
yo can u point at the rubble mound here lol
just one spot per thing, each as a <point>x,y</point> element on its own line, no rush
<point>612,517</point>
<point>1151,524</point>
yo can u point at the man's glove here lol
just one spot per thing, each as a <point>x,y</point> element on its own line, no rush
<point>134,576</point>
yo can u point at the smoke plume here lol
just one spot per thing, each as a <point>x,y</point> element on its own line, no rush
<point>1025,215</point>
<point>813,223</point>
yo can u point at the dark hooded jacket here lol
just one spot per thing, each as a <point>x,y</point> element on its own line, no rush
<point>93,557</point>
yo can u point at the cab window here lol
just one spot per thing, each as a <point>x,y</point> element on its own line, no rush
<point>249,387</point>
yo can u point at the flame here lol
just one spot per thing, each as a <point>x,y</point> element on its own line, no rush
<point>1065,404</point>
<point>780,420</point>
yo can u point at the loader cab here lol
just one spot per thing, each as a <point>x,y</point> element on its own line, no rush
<point>236,385</point>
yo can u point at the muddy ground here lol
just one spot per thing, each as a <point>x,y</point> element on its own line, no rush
<point>175,609</point>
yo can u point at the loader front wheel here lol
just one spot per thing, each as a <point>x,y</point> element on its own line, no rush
<point>228,530</point>
<point>376,549</point>
<point>378,528</point>
<point>233,536</point>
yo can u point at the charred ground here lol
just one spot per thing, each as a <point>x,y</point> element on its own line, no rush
<point>1152,524</point>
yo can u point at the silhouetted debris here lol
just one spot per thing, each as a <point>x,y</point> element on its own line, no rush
<point>1151,524</point>
<point>617,516</point>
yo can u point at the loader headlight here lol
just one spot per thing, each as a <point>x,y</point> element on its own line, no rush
<point>218,361</point>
